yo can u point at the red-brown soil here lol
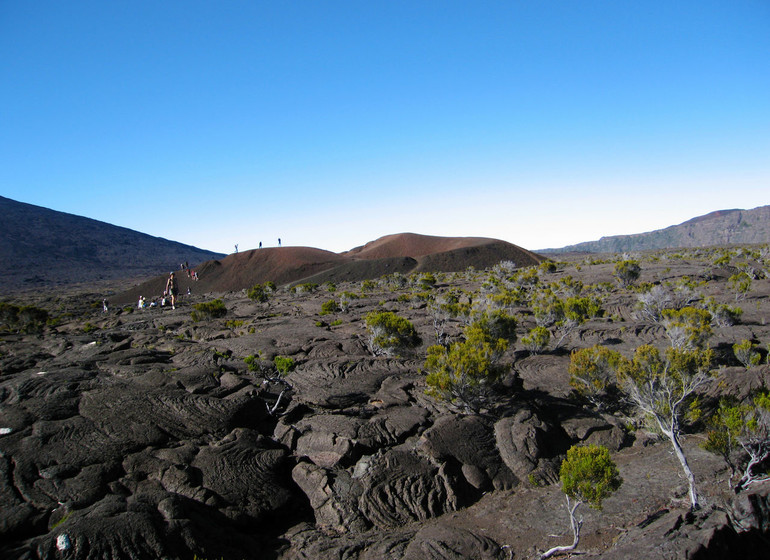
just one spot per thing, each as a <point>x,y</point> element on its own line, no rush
<point>413,245</point>
<point>403,253</point>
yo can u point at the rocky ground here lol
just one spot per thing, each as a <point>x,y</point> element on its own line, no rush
<point>140,433</point>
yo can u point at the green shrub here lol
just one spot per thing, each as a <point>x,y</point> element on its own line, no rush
<point>578,310</point>
<point>589,475</point>
<point>464,373</point>
<point>27,318</point>
<point>689,327</point>
<point>259,292</point>
<point>389,333</point>
<point>547,307</point>
<point>627,272</point>
<point>593,372</point>
<point>740,434</point>
<point>662,388</point>
<point>569,287</point>
<point>426,280</point>
<point>368,286</point>
<point>723,315</point>
<point>329,307</point>
<point>746,353</point>
<point>211,309</point>
<point>9,315</point>
<point>548,267</point>
<point>283,364</point>
<point>498,324</point>
<point>537,340</point>
<point>89,327</point>
<point>252,362</point>
<point>307,287</point>
<point>740,283</point>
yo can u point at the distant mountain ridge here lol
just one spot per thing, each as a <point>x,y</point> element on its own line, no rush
<point>723,227</point>
<point>43,247</point>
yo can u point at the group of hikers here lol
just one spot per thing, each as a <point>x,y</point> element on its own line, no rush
<point>260,244</point>
<point>170,292</point>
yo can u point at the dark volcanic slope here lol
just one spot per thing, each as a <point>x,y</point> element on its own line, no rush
<point>413,245</point>
<point>403,253</point>
<point>39,246</point>
<point>445,254</point>
<point>723,227</point>
<point>242,270</point>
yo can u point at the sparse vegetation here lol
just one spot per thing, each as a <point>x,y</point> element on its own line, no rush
<point>740,434</point>
<point>662,387</point>
<point>746,353</point>
<point>536,341</point>
<point>261,292</point>
<point>329,307</point>
<point>740,284</point>
<point>640,362</point>
<point>588,476</point>
<point>283,364</point>
<point>390,333</point>
<point>687,328</point>
<point>209,310</point>
<point>464,373</point>
<point>593,373</point>
<point>723,315</point>
<point>627,272</point>
<point>23,319</point>
<point>304,288</point>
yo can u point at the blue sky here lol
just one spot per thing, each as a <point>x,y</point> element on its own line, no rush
<point>329,124</point>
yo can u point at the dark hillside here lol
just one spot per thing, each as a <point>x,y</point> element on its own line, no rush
<point>402,253</point>
<point>723,227</point>
<point>42,247</point>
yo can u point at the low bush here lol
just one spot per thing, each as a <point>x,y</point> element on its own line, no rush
<point>627,272</point>
<point>536,340</point>
<point>723,315</point>
<point>283,364</point>
<point>26,319</point>
<point>260,292</point>
<point>464,373</point>
<point>389,333</point>
<point>368,286</point>
<point>746,353</point>
<point>307,287</point>
<point>689,327</point>
<point>593,372</point>
<point>330,307</point>
<point>209,310</point>
<point>740,283</point>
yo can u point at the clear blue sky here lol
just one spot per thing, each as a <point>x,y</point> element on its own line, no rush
<point>329,123</point>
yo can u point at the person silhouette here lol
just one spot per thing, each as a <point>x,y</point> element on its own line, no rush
<point>279,241</point>
<point>172,289</point>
